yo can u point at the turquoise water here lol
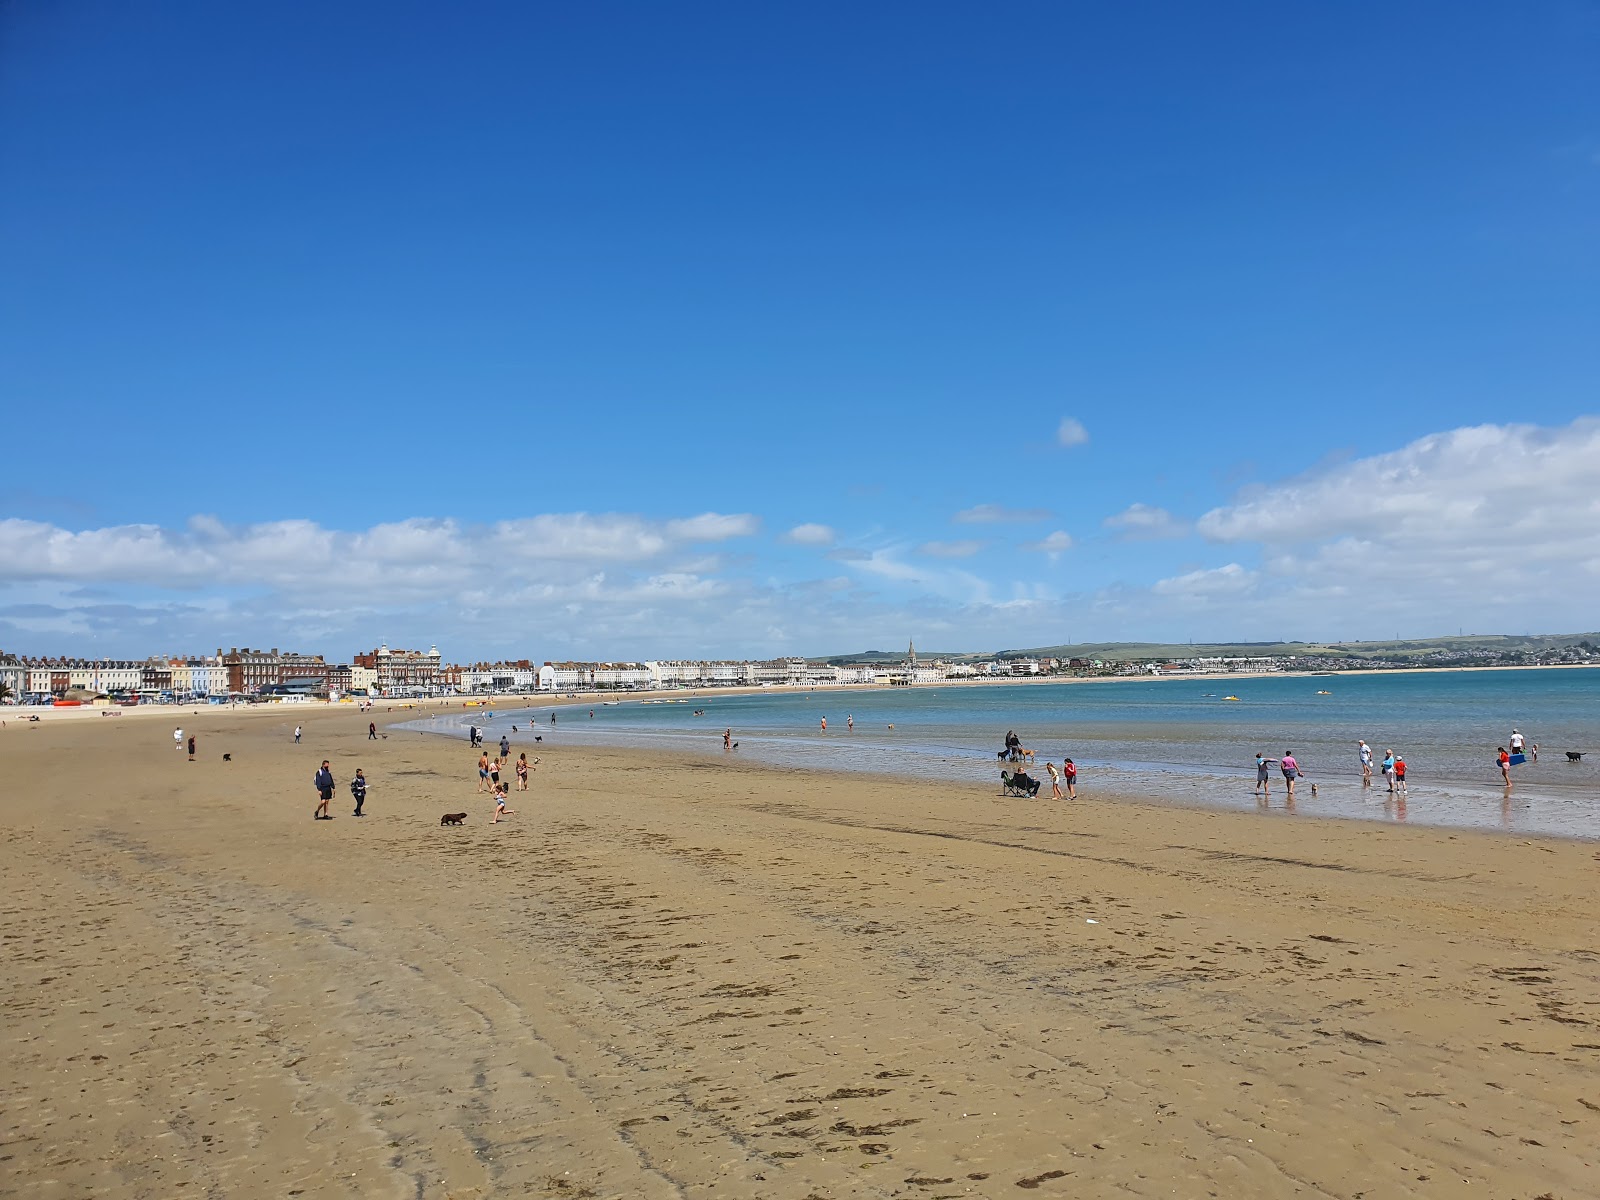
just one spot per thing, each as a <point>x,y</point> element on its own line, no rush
<point>1163,739</point>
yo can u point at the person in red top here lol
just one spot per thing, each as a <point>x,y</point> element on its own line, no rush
<point>1503,761</point>
<point>1399,771</point>
<point>1069,773</point>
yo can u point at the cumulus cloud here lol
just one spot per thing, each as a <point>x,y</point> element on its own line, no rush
<point>1491,526</point>
<point>1052,544</point>
<point>1071,432</point>
<point>811,534</point>
<point>993,514</point>
<point>1144,522</point>
<point>961,549</point>
<point>302,553</point>
<point>1485,486</point>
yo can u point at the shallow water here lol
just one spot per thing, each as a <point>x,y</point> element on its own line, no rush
<point>1163,739</point>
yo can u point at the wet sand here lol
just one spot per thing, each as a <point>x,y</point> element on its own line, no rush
<point>686,977</point>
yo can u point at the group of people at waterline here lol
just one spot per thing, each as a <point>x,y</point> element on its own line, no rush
<point>1392,766</point>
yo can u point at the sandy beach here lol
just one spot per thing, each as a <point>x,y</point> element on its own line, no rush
<point>686,977</point>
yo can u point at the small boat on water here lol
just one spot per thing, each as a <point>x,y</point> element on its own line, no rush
<point>1230,697</point>
<point>1324,693</point>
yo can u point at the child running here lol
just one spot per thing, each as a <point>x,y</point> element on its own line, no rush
<point>500,809</point>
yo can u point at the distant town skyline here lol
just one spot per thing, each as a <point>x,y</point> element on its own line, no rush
<point>741,333</point>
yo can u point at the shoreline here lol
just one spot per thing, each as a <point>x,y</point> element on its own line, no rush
<point>17,714</point>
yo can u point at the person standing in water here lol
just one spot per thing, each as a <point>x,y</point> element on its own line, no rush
<point>727,738</point>
<point>1388,768</point>
<point>824,724</point>
<point>1290,769</point>
<point>1503,761</point>
<point>1263,775</point>
<point>849,722</point>
<point>1364,753</point>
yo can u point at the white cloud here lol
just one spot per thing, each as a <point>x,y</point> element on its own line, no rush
<point>1230,580</point>
<point>1486,486</point>
<point>961,549</point>
<point>1054,543</point>
<point>811,534</point>
<point>299,554</point>
<point>1144,522</point>
<point>713,527</point>
<point>1071,432</point>
<point>991,514</point>
<point>1494,527</point>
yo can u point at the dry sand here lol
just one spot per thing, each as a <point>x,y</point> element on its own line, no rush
<point>686,978</point>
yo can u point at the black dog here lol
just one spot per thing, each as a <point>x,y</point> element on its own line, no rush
<point>227,758</point>
<point>1574,755</point>
<point>452,818</point>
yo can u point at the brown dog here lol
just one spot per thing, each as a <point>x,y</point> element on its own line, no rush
<point>452,818</point>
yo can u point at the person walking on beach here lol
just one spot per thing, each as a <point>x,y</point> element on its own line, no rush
<point>483,771</point>
<point>1503,761</point>
<point>358,789</point>
<point>727,738</point>
<point>849,723</point>
<point>297,735</point>
<point>505,747</point>
<point>494,774</point>
<point>1263,775</point>
<point>1400,772</point>
<point>191,747</point>
<point>1365,754</point>
<point>1069,769</point>
<point>372,731</point>
<point>522,772</point>
<point>552,718</point>
<point>323,782</point>
<point>1055,781</point>
<point>1388,768</point>
<point>177,738</point>
<point>1290,769</point>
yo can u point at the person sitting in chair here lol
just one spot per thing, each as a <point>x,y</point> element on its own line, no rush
<point>1023,780</point>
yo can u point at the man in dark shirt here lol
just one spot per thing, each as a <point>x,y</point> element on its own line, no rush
<point>323,782</point>
<point>358,789</point>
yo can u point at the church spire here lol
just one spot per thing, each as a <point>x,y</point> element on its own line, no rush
<point>911,652</point>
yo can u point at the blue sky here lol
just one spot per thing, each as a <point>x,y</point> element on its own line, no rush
<point>541,330</point>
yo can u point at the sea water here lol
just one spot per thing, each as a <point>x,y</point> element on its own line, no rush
<point>1177,739</point>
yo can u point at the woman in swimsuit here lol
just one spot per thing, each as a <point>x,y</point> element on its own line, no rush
<point>522,772</point>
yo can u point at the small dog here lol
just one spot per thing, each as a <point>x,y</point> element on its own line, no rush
<point>452,818</point>
<point>1313,789</point>
<point>227,758</point>
<point>1574,755</point>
